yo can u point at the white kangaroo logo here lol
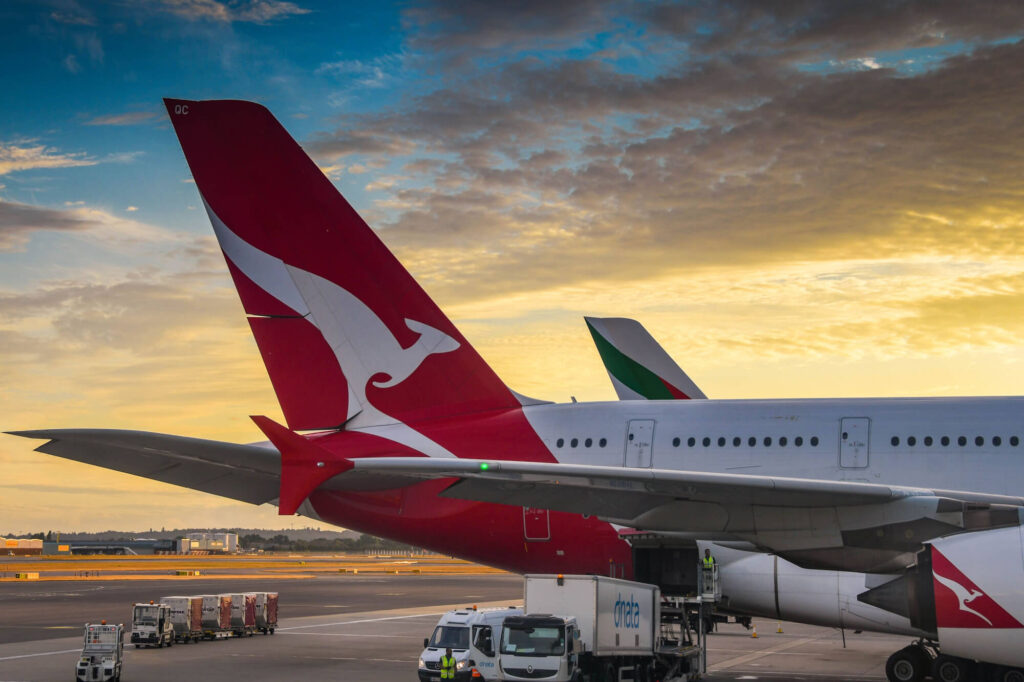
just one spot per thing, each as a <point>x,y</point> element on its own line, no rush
<point>962,595</point>
<point>362,343</point>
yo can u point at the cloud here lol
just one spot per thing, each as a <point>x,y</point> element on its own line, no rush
<point>126,119</point>
<point>70,63</point>
<point>27,156</point>
<point>73,18</point>
<point>253,11</point>
<point>19,221</point>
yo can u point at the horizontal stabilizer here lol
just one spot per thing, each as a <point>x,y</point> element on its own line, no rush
<point>304,464</point>
<point>242,472</point>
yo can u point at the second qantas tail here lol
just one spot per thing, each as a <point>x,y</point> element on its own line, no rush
<point>346,333</point>
<point>638,366</point>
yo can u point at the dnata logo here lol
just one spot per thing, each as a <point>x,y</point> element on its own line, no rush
<point>627,613</point>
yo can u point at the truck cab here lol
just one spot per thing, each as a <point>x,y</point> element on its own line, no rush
<point>102,653</point>
<point>539,646</point>
<point>473,636</point>
<point>151,625</point>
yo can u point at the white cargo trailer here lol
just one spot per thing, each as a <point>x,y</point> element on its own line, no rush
<point>583,627</point>
<point>186,617</point>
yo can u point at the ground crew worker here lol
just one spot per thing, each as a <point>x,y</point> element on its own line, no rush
<point>709,561</point>
<point>448,665</point>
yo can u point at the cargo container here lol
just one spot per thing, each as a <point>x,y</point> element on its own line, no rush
<point>186,617</point>
<point>216,615</point>
<point>243,614</point>
<point>590,627</point>
<point>266,612</point>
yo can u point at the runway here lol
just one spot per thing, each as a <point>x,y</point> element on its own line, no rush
<point>361,627</point>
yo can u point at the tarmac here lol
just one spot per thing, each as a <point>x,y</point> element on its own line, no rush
<point>361,627</point>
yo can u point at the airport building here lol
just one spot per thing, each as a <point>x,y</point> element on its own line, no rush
<point>214,542</point>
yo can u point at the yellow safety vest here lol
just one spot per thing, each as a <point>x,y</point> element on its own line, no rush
<point>447,668</point>
<point>709,562</point>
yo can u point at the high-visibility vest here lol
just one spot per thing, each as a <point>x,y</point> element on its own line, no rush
<point>447,667</point>
<point>709,562</point>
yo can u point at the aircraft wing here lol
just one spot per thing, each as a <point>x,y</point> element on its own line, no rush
<point>855,526</point>
<point>249,473</point>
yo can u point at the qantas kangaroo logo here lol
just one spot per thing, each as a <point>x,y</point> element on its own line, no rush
<point>962,595</point>
<point>365,348</point>
<point>959,603</point>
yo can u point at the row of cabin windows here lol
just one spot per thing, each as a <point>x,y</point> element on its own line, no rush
<point>587,442</point>
<point>961,441</point>
<point>751,441</point>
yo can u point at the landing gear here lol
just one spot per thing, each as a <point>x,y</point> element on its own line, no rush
<point>952,669</point>
<point>910,664</point>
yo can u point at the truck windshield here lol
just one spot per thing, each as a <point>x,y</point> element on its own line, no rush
<point>524,640</point>
<point>146,615</point>
<point>450,636</point>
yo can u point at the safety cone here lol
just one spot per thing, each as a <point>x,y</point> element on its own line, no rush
<point>780,628</point>
<point>754,633</point>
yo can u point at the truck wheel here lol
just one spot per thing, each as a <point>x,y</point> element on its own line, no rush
<point>909,664</point>
<point>1011,675</point>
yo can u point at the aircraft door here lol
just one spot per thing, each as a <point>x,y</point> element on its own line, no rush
<point>536,524</point>
<point>854,437</point>
<point>639,443</point>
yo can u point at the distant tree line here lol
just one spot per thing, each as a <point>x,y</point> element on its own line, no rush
<point>282,543</point>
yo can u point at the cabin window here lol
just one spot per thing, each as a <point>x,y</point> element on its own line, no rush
<point>979,440</point>
<point>997,441</point>
<point>798,441</point>
<point>721,441</point>
<point>560,442</point>
<point>751,441</point>
<point>1014,441</point>
<point>675,442</point>
<point>588,442</point>
<point>814,441</point>
<point>603,442</point>
<point>691,441</point>
<point>783,441</point>
<point>911,441</point>
<point>928,441</point>
<point>962,441</point>
<point>945,440</point>
<point>706,441</point>
<point>895,440</point>
<point>736,441</point>
<point>767,441</point>
<point>576,441</point>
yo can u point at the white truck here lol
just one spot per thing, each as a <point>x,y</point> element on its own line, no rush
<point>591,628</point>
<point>151,625</point>
<point>102,653</point>
<point>473,635</point>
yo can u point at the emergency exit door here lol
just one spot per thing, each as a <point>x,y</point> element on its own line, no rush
<point>854,436</point>
<point>639,443</point>
<point>536,524</point>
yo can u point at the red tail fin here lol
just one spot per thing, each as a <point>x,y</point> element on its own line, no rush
<point>346,333</point>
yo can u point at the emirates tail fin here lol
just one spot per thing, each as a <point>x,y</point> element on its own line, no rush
<point>638,366</point>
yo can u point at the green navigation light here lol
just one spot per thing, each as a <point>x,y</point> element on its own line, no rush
<point>484,466</point>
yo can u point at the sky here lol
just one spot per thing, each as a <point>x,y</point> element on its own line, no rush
<point>798,199</point>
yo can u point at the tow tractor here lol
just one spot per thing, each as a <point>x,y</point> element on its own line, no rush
<point>151,625</point>
<point>102,653</point>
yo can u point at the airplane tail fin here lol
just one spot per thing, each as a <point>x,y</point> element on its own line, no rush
<point>346,333</point>
<point>638,366</point>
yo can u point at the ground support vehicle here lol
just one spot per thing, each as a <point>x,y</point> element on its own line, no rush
<point>266,612</point>
<point>102,653</point>
<point>186,617</point>
<point>151,625</point>
<point>243,614</point>
<point>216,615</point>
<point>473,635</point>
<point>596,629</point>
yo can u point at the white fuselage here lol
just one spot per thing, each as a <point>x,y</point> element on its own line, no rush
<point>894,441</point>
